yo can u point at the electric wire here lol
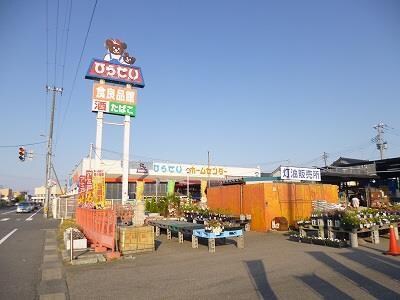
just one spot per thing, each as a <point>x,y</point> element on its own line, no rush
<point>67,22</point>
<point>66,42</point>
<point>20,145</point>
<point>77,68</point>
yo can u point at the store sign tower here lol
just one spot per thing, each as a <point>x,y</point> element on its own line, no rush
<point>115,94</point>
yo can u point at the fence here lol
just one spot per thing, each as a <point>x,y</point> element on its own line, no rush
<point>63,207</point>
<point>98,226</point>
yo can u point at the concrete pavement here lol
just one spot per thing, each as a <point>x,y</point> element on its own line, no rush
<point>270,267</point>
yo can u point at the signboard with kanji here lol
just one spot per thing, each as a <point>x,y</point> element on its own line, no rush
<point>306,174</point>
<point>99,188</point>
<point>89,186</point>
<point>82,189</point>
<point>113,93</point>
<point>114,100</point>
<point>114,108</point>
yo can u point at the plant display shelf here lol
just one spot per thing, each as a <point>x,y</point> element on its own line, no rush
<point>180,227</point>
<point>353,234</point>
<point>201,233</point>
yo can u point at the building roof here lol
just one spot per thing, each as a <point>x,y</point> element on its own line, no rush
<point>345,161</point>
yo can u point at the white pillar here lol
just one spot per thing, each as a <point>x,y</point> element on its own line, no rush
<point>125,160</point>
<point>99,138</point>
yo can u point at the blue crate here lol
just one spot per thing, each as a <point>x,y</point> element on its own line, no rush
<point>224,234</point>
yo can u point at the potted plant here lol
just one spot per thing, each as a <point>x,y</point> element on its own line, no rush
<point>294,237</point>
<point>214,226</point>
<point>306,239</point>
<point>318,240</point>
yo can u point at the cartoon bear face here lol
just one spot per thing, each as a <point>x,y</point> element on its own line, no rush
<point>128,60</point>
<point>116,46</point>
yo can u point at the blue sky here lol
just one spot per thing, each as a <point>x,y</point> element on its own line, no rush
<point>253,82</point>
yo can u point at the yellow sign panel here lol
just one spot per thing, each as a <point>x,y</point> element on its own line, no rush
<point>99,188</point>
<point>106,92</point>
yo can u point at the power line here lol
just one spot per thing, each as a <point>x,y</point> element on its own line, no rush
<point>19,145</point>
<point>68,12</point>
<point>66,41</point>
<point>79,63</point>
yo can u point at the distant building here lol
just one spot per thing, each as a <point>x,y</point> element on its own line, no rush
<point>40,193</point>
<point>6,194</point>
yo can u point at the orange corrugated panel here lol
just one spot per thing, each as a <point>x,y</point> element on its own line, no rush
<point>254,204</point>
<point>224,198</point>
<point>265,201</point>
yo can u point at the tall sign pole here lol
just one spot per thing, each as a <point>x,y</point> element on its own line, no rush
<point>125,161</point>
<point>50,149</point>
<point>115,69</point>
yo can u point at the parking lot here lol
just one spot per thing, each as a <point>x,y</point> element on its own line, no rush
<point>268,267</point>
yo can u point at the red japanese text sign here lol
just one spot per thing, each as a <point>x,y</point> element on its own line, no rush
<point>115,73</point>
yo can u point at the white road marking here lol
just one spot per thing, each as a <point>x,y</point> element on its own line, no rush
<point>4,219</point>
<point>30,217</point>
<point>8,212</point>
<point>7,236</point>
<point>19,219</point>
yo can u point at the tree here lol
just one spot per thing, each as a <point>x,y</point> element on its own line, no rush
<point>20,198</point>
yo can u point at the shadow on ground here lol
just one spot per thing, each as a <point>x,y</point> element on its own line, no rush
<point>375,289</point>
<point>259,279</point>
<point>323,287</point>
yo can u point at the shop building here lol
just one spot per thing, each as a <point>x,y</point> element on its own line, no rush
<point>157,179</point>
<point>372,181</point>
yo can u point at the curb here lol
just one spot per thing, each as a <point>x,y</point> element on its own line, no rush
<point>53,285</point>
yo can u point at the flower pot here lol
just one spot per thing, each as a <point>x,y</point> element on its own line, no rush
<point>319,242</point>
<point>306,240</point>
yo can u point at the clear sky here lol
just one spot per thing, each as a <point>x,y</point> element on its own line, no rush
<point>253,82</point>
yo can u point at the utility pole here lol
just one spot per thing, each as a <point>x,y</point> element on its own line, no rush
<point>380,143</point>
<point>325,157</point>
<point>55,90</point>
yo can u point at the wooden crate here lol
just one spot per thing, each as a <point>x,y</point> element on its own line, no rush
<point>136,239</point>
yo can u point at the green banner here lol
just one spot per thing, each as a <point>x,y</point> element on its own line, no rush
<point>123,109</point>
<point>171,187</point>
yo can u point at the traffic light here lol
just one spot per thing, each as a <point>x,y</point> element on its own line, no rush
<point>21,153</point>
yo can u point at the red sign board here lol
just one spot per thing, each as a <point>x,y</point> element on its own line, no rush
<point>89,180</point>
<point>115,73</point>
<point>82,184</point>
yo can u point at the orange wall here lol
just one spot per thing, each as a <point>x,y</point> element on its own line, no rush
<point>265,201</point>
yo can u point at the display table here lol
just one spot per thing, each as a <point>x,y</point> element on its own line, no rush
<point>180,227</point>
<point>201,233</point>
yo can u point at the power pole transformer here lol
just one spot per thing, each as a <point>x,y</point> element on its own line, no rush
<point>381,145</point>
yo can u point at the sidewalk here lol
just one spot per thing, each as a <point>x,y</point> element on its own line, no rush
<point>53,285</point>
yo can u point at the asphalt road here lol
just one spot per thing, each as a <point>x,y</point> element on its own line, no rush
<point>21,252</point>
